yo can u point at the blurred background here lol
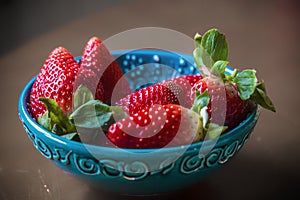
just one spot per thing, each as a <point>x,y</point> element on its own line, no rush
<point>262,34</point>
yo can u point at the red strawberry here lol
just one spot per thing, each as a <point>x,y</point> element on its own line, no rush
<point>55,81</point>
<point>174,91</point>
<point>157,127</point>
<point>99,71</point>
<point>225,105</point>
<point>185,82</point>
<point>228,96</point>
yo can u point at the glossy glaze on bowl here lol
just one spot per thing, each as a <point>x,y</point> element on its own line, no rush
<point>117,170</point>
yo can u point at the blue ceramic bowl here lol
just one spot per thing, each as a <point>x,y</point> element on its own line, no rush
<point>132,171</point>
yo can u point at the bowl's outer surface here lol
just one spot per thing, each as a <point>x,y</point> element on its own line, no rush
<point>123,171</point>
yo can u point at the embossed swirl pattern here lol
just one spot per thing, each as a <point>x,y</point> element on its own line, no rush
<point>220,155</point>
<point>136,170</point>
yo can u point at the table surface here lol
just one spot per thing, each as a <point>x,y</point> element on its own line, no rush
<point>261,34</point>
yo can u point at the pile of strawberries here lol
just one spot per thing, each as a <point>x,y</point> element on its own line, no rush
<point>70,96</point>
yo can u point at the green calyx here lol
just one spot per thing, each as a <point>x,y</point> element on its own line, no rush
<point>210,48</point>
<point>208,130</point>
<point>88,114</point>
<point>201,100</point>
<point>246,82</point>
<point>260,97</point>
<point>55,119</point>
<point>210,55</point>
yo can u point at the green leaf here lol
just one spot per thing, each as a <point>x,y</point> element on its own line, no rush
<point>215,130</point>
<point>261,86</point>
<point>117,114</point>
<point>210,48</point>
<point>81,96</point>
<point>45,121</point>
<point>92,114</point>
<point>197,39</point>
<point>219,67</point>
<point>246,82</point>
<point>202,59</point>
<point>215,44</point>
<point>201,100</point>
<point>72,136</point>
<point>260,97</point>
<point>197,57</point>
<point>57,116</point>
<point>58,130</point>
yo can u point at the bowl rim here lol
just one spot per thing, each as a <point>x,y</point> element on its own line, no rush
<point>26,118</point>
